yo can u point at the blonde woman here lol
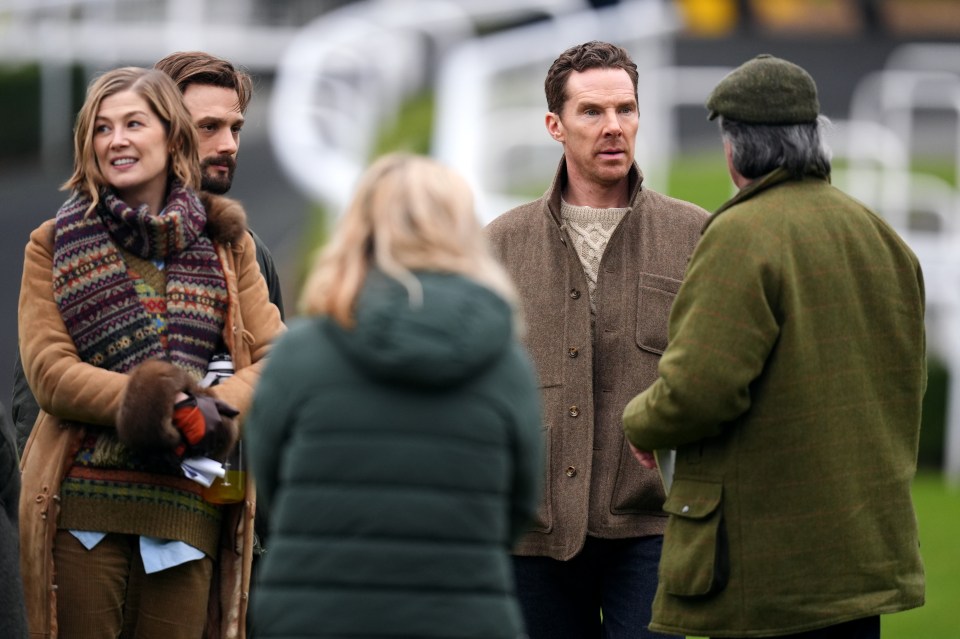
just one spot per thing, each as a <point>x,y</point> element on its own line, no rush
<point>395,433</point>
<point>126,296</point>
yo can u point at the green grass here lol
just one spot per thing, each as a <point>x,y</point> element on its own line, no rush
<point>410,129</point>
<point>938,511</point>
<point>701,179</point>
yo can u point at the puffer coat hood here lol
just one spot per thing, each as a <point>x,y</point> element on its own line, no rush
<point>454,333</point>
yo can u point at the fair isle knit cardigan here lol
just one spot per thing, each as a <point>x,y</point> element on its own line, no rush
<point>69,389</point>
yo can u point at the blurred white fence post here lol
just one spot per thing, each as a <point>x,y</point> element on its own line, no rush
<point>349,71</point>
<point>918,78</point>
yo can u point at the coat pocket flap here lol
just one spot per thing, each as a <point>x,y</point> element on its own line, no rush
<point>655,297</point>
<point>694,562</point>
<point>693,499</point>
<point>659,282</point>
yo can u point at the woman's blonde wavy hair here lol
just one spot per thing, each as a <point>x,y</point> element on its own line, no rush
<point>409,213</point>
<point>164,99</point>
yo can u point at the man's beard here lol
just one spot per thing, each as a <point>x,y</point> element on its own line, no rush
<point>218,183</point>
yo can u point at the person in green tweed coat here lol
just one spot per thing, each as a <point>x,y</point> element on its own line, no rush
<point>791,390</point>
<point>395,434</point>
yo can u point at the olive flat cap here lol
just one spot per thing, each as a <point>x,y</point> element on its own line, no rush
<point>766,90</point>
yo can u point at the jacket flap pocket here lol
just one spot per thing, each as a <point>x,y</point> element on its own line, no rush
<point>695,559</point>
<point>693,499</point>
<point>660,282</point>
<point>654,301</point>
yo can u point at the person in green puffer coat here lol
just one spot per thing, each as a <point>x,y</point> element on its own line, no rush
<point>395,435</point>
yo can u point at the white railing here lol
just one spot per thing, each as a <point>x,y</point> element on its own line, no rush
<point>880,142</point>
<point>103,33</point>
<point>347,73</point>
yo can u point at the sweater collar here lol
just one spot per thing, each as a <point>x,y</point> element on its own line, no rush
<point>552,197</point>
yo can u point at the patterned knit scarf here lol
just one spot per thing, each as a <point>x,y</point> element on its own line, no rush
<point>97,298</point>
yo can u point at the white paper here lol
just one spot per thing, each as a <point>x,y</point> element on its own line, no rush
<point>202,470</point>
<point>667,463</point>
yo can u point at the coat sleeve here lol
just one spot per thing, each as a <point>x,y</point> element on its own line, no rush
<point>252,327</point>
<point>64,385</point>
<point>24,405</point>
<point>723,326</point>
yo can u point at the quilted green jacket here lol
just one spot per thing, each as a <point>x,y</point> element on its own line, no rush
<point>399,461</point>
<point>791,388</point>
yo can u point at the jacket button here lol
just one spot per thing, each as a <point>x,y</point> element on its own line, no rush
<point>685,509</point>
<point>574,293</point>
<point>574,411</point>
<point>573,351</point>
<point>570,471</point>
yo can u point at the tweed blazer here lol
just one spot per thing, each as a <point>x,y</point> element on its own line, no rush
<point>593,486</point>
<point>792,390</point>
<point>68,388</point>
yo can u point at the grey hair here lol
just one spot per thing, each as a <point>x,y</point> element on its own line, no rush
<point>758,149</point>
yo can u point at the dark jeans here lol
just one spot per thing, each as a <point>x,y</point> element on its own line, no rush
<point>615,577</point>
<point>866,628</point>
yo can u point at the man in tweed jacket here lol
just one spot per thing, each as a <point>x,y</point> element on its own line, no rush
<point>597,261</point>
<point>791,390</point>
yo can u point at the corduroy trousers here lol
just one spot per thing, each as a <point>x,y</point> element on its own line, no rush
<point>104,593</point>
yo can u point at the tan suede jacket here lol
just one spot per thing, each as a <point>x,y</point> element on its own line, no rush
<point>68,388</point>
<point>593,485</point>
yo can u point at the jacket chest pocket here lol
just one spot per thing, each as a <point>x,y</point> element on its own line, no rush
<point>654,301</point>
<point>695,559</point>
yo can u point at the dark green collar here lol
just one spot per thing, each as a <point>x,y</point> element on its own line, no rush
<point>768,181</point>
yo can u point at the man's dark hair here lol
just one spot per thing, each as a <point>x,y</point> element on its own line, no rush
<point>579,58</point>
<point>758,149</point>
<point>198,67</point>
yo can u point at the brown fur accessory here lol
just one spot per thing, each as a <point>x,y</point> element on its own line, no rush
<point>145,417</point>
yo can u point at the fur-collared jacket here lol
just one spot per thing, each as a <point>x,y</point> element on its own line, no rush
<point>68,388</point>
